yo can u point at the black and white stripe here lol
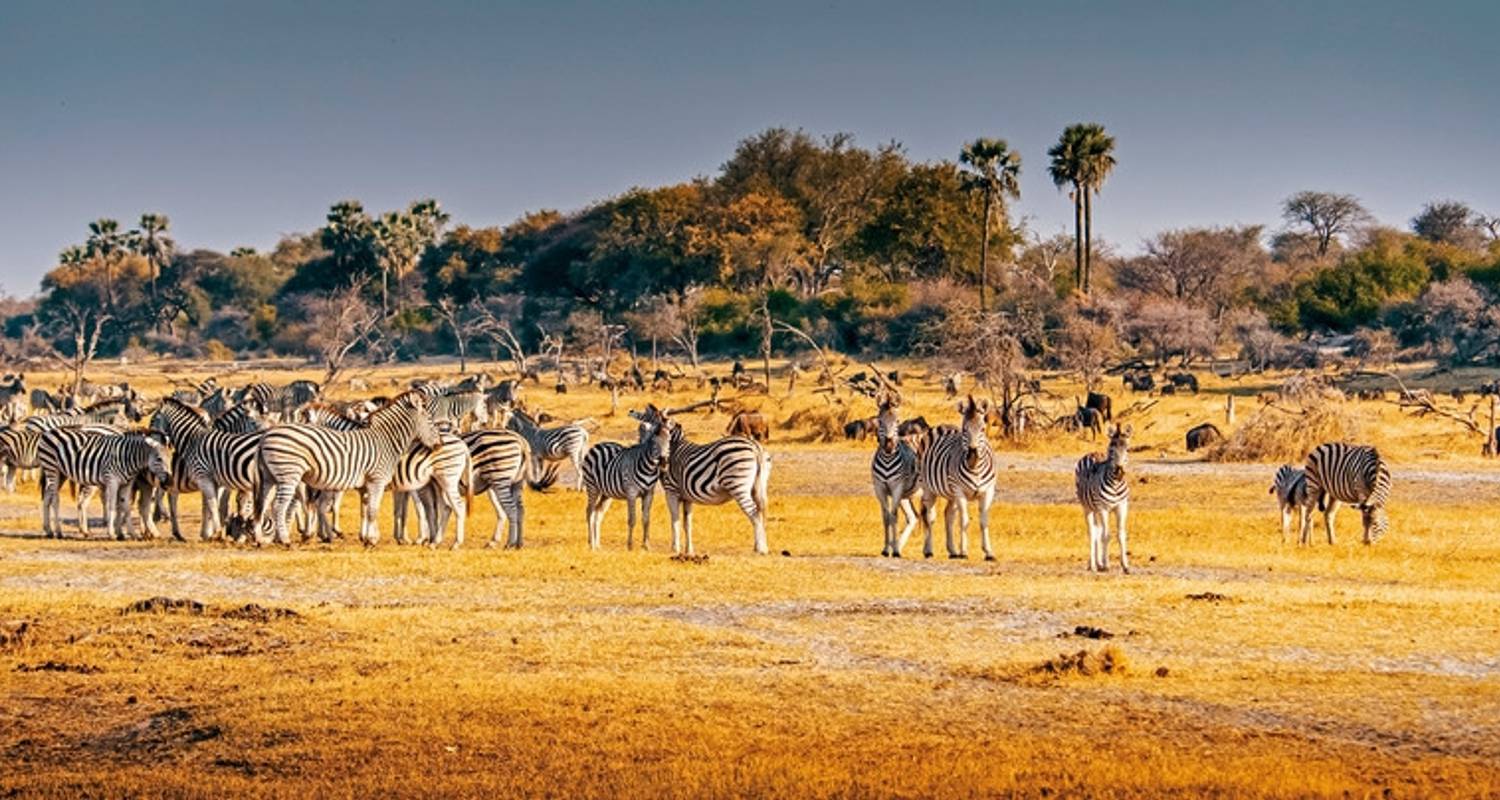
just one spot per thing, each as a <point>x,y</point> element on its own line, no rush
<point>433,477</point>
<point>1354,474</point>
<point>118,411</point>
<point>551,444</point>
<point>329,460</point>
<point>17,452</point>
<point>1104,489</point>
<point>209,461</point>
<point>92,459</point>
<point>500,462</point>
<point>733,468</point>
<point>612,471</point>
<point>957,465</point>
<point>1290,488</point>
<point>893,472</point>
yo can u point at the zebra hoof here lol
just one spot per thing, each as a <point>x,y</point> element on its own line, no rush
<point>926,555</point>
<point>896,555</point>
<point>885,553</point>
<point>989,558</point>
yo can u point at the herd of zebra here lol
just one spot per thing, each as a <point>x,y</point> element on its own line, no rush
<point>278,455</point>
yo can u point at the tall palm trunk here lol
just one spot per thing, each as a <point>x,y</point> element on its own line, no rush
<point>984,252</point>
<point>1078,279</point>
<point>1088,239</point>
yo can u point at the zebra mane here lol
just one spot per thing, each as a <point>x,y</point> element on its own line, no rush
<point>411,399</point>
<point>189,408</point>
<point>103,404</point>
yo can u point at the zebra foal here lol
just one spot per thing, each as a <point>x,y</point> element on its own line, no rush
<point>1290,488</point>
<point>612,471</point>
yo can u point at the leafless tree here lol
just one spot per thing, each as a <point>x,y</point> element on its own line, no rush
<point>84,323</point>
<point>466,320</point>
<point>338,322</point>
<point>1172,328</point>
<point>1461,321</point>
<point>1210,267</point>
<point>1086,346</point>
<point>1324,214</point>
<point>987,345</point>
<point>1260,344</point>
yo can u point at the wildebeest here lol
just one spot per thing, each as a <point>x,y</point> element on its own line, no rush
<point>751,424</point>
<point>1102,404</point>
<point>1201,436</point>
<point>860,429</point>
<point>1493,387</point>
<point>1184,380</point>
<point>1168,388</point>
<point>1139,381</point>
<point>1088,419</point>
<point>661,381</point>
<point>1457,394</point>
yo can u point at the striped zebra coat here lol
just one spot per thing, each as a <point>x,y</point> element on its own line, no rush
<point>118,411</point>
<point>328,460</point>
<point>612,471</point>
<point>893,473</point>
<point>1290,488</point>
<point>17,452</point>
<point>209,461</point>
<point>1354,474</point>
<point>434,478</point>
<point>956,466</point>
<point>549,445</point>
<point>732,468</point>
<point>501,461</point>
<point>91,459</point>
<point>1103,489</point>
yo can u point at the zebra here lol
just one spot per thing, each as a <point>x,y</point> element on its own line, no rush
<point>209,461</point>
<point>17,452</point>
<point>732,468</point>
<point>327,460</point>
<point>1345,473</point>
<point>1290,488</point>
<point>242,417</point>
<point>297,394</point>
<point>500,461</point>
<point>433,477</point>
<point>14,405</point>
<point>612,471</point>
<point>458,407</point>
<point>261,391</point>
<point>90,459</point>
<point>893,471</point>
<point>116,411</point>
<point>956,466</point>
<point>1103,488</point>
<point>551,444</point>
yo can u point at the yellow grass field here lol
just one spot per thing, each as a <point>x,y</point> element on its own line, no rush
<point>1235,665</point>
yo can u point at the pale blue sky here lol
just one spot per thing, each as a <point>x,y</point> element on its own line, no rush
<point>243,121</point>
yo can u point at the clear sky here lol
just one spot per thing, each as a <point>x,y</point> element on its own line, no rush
<point>246,120</point>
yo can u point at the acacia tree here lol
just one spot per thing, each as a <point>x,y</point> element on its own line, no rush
<point>1448,222</point>
<point>994,173</point>
<point>1325,215</point>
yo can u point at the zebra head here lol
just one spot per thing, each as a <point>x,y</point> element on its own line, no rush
<point>888,427</point>
<point>974,429</point>
<point>658,443</point>
<point>481,408</point>
<point>425,430</point>
<point>159,462</point>
<point>499,411</point>
<point>1119,447</point>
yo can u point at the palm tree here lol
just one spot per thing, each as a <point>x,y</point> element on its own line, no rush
<point>1098,162</point>
<point>347,236</point>
<point>1066,169</point>
<point>994,171</point>
<point>104,244</point>
<point>154,245</point>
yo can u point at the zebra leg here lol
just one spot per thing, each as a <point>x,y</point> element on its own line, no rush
<point>757,517</point>
<point>674,510</point>
<point>646,498</point>
<point>460,511</point>
<point>369,522</point>
<point>425,517</point>
<point>1088,519</point>
<point>499,505</point>
<point>1286,520</point>
<point>949,512</point>
<point>1103,533</point>
<point>49,500</point>
<point>10,478</point>
<point>929,519</point>
<point>887,518</point>
<point>517,515</point>
<point>211,521</point>
<point>591,518</point>
<point>986,501</point>
<point>279,509</point>
<point>111,502</point>
<point>1123,511</point>
<point>963,527</point>
<point>603,508</point>
<point>84,493</point>
<point>1333,508</point>
<point>398,514</point>
<point>909,512</point>
<point>687,526</point>
<point>576,458</point>
<point>148,500</point>
<point>172,497</point>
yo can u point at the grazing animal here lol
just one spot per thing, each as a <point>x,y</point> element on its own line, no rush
<point>106,412</point>
<point>1139,381</point>
<point>914,428</point>
<point>1344,473</point>
<point>1102,404</point>
<point>1168,389</point>
<point>1184,380</point>
<point>957,465</point>
<point>733,468</point>
<point>1088,419</point>
<point>434,478</point>
<point>45,402</point>
<point>297,394</point>
<point>329,460</point>
<point>1201,436</point>
<point>893,471</point>
<point>1103,490</point>
<point>209,461</point>
<point>568,442</point>
<point>1290,488</point>
<point>17,452</point>
<point>612,471</point>
<point>860,429</point>
<point>91,459</point>
<point>751,424</point>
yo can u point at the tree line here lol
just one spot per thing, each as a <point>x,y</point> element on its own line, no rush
<point>797,242</point>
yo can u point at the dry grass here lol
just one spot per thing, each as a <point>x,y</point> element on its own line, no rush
<point>831,672</point>
<point>1280,432</point>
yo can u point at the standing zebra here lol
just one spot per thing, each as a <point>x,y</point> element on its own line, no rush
<point>732,468</point>
<point>433,477</point>
<point>208,460</point>
<point>17,452</point>
<point>957,465</point>
<point>1346,473</point>
<point>500,462</point>
<point>329,460</point>
<point>893,471</point>
<point>1290,488</point>
<point>612,471</point>
<point>117,411</point>
<point>552,444</point>
<point>458,407</point>
<point>91,459</point>
<point>1103,488</point>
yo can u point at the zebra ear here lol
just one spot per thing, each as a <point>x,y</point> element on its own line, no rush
<point>1127,430</point>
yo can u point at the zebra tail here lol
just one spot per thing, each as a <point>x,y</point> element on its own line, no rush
<point>469,485</point>
<point>545,480</point>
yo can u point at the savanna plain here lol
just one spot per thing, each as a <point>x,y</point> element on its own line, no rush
<point>1228,663</point>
